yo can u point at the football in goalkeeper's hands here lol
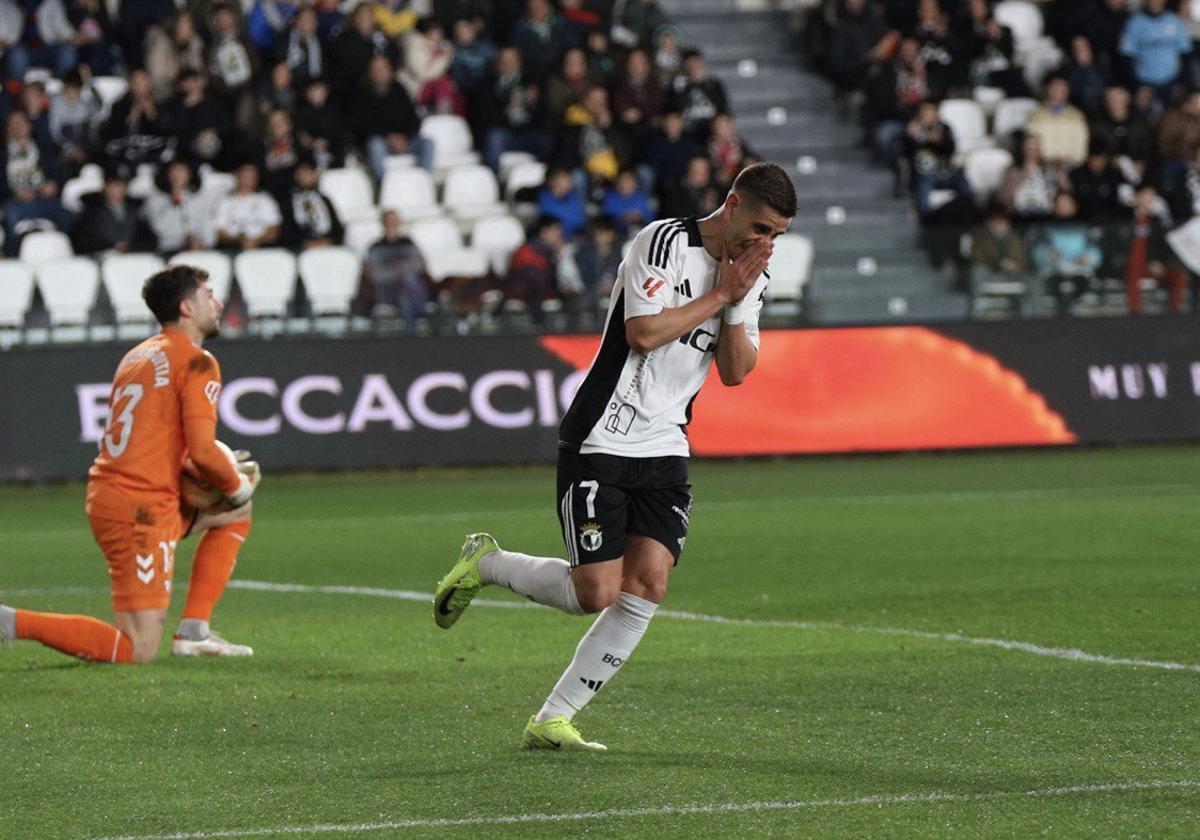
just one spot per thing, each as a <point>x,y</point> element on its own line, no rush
<point>196,492</point>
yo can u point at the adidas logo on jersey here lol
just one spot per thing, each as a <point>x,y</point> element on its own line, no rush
<point>685,288</point>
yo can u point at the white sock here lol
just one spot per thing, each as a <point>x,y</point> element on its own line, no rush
<point>601,652</point>
<point>546,580</point>
<point>8,623</point>
<point>193,629</point>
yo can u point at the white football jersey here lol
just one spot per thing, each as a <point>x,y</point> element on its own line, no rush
<point>638,406</point>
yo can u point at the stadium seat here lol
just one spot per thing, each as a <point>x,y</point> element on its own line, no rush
<point>267,278</point>
<point>790,267</point>
<point>75,189</point>
<point>463,262</point>
<point>471,192</point>
<point>498,237</point>
<point>216,183</point>
<point>16,292</point>
<point>1038,60</point>
<point>508,160</point>
<point>1011,116</point>
<point>1023,18</point>
<point>529,174</point>
<point>216,263</point>
<point>109,89</point>
<point>41,245</point>
<point>410,193</point>
<point>142,183</point>
<point>451,138</point>
<point>966,119</point>
<point>985,170</point>
<point>68,286</point>
<point>433,235</point>
<point>123,276</point>
<point>330,277</point>
<point>350,192</point>
<point>361,235</point>
<point>399,161</point>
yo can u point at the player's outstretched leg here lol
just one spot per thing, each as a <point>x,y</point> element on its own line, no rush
<point>216,555</point>
<point>75,635</point>
<point>546,580</point>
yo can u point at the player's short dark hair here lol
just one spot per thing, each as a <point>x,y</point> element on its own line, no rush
<point>166,289</point>
<point>768,184</point>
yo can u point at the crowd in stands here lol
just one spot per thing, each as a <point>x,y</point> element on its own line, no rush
<point>628,120</point>
<point>1101,161</point>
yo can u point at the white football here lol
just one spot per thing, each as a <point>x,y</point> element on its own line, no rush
<point>195,491</point>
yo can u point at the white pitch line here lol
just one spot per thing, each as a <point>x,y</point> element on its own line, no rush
<point>809,501</point>
<point>1068,654</point>
<point>877,800</point>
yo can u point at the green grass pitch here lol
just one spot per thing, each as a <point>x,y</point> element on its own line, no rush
<point>358,717</point>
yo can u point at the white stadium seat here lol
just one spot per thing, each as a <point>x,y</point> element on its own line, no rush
<point>410,192</point>
<point>1011,116</point>
<point>451,138</point>
<point>528,174</point>
<point>985,170</point>
<point>218,265</point>
<point>498,237</point>
<point>508,160</point>
<point>399,161</point>
<point>464,262</point>
<point>68,288</point>
<point>108,90</point>
<point>216,183</point>
<point>1023,18</point>
<point>16,292</point>
<point>267,278</point>
<point>1039,59</point>
<point>790,267</point>
<point>361,235</point>
<point>350,192</point>
<point>471,192</point>
<point>330,277</point>
<point>142,183</point>
<point>41,245</point>
<point>434,235</point>
<point>123,276</point>
<point>966,119</point>
<point>76,188</point>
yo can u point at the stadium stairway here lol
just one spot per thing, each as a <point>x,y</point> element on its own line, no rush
<point>788,114</point>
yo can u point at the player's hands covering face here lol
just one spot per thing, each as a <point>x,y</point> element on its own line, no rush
<point>737,277</point>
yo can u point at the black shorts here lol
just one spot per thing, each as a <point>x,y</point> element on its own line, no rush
<point>601,498</point>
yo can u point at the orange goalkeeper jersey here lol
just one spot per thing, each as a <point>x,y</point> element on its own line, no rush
<point>163,408</point>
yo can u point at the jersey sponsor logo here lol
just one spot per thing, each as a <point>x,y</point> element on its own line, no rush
<point>591,536</point>
<point>652,285</point>
<point>212,390</point>
<point>685,288</point>
<point>621,418</point>
<point>700,339</point>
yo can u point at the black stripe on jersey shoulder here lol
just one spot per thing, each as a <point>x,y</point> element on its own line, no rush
<point>766,274</point>
<point>660,244</point>
<point>664,247</point>
<point>695,240</point>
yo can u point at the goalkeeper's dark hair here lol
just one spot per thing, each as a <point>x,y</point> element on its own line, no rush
<point>166,289</point>
<point>767,183</point>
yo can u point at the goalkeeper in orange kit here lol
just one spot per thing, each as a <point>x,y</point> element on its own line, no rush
<point>162,423</point>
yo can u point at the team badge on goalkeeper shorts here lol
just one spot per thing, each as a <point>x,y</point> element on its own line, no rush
<point>590,536</point>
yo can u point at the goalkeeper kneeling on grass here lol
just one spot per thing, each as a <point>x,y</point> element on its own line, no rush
<point>162,414</point>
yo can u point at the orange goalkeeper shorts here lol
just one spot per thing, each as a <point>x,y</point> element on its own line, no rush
<point>141,560</point>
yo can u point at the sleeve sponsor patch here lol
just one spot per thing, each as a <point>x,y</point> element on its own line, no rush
<point>212,390</point>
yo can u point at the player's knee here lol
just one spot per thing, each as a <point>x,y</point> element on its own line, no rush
<point>651,589</point>
<point>593,599</point>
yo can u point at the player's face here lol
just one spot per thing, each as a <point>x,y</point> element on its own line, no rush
<point>751,222</point>
<point>208,311</point>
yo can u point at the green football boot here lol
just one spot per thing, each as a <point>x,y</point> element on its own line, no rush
<point>557,733</point>
<point>457,589</point>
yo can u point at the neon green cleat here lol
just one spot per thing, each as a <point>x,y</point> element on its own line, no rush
<point>456,590</point>
<point>557,733</point>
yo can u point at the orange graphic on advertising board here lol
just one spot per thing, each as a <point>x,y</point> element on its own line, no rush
<point>865,389</point>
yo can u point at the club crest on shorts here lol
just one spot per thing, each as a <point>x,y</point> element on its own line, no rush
<point>590,536</point>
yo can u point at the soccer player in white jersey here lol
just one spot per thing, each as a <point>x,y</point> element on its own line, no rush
<point>688,293</point>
